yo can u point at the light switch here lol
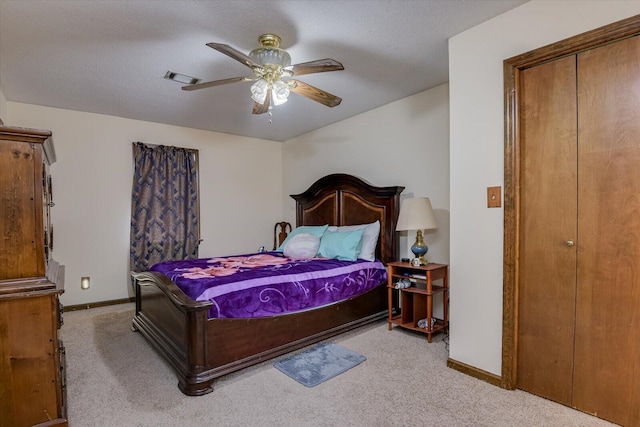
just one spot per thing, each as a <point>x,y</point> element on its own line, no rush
<point>494,198</point>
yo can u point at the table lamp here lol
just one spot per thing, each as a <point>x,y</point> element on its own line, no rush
<point>417,214</point>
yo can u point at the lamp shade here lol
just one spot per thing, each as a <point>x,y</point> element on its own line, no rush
<point>416,214</point>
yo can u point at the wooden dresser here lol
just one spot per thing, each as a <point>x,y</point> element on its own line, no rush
<point>32,366</point>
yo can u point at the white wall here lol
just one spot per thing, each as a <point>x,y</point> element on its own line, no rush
<point>403,143</point>
<point>477,149</point>
<point>240,185</point>
<point>3,107</point>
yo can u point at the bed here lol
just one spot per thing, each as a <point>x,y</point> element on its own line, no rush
<point>201,348</point>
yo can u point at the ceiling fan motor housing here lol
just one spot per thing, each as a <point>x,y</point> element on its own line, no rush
<point>269,52</point>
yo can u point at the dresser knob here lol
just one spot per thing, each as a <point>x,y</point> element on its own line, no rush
<point>569,243</point>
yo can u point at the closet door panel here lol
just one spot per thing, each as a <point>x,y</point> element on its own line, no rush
<point>547,274</point>
<point>607,346</point>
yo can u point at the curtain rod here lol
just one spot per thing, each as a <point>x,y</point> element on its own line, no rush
<point>189,150</point>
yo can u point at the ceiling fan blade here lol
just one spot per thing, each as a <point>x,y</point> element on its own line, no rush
<point>217,83</point>
<point>314,93</point>
<point>264,107</point>
<point>235,54</point>
<point>318,66</point>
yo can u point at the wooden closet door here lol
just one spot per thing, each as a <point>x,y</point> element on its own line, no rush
<point>607,343</point>
<point>547,274</point>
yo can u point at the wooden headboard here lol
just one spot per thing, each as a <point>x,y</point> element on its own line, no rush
<point>341,199</point>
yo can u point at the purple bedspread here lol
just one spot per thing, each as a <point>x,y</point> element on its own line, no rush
<point>268,284</point>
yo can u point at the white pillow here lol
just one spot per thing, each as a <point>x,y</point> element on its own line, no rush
<point>369,238</point>
<point>316,230</point>
<point>302,246</point>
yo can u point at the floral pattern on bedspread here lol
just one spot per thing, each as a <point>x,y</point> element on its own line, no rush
<point>232,265</point>
<point>268,284</point>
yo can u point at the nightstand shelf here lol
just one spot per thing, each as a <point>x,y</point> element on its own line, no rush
<point>416,302</point>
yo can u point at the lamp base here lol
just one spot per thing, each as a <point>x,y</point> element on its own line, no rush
<point>419,249</point>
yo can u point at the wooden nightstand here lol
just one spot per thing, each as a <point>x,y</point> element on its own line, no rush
<point>416,302</point>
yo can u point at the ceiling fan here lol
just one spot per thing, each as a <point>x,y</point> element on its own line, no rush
<point>272,70</point>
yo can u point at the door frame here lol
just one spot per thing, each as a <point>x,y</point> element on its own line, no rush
<point>512,67</point>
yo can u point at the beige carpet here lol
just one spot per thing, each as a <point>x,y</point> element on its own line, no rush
<point>114,378</point>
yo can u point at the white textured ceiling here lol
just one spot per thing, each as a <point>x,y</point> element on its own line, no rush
<point>110,57</point>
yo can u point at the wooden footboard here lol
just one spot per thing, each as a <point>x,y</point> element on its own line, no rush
<point>201,349</point>
<point>175,325</point>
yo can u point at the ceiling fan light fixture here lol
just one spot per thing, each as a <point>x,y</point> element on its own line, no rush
<point>259,91</point>
<point>280,92</point>
<point>270,65</point>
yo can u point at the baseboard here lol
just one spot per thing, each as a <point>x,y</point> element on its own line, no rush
<point>475,372</point>
<point>98,304</point>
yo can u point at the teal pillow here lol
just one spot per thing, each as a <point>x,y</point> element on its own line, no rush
<point>344,245</point>
<point>316,230</point>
